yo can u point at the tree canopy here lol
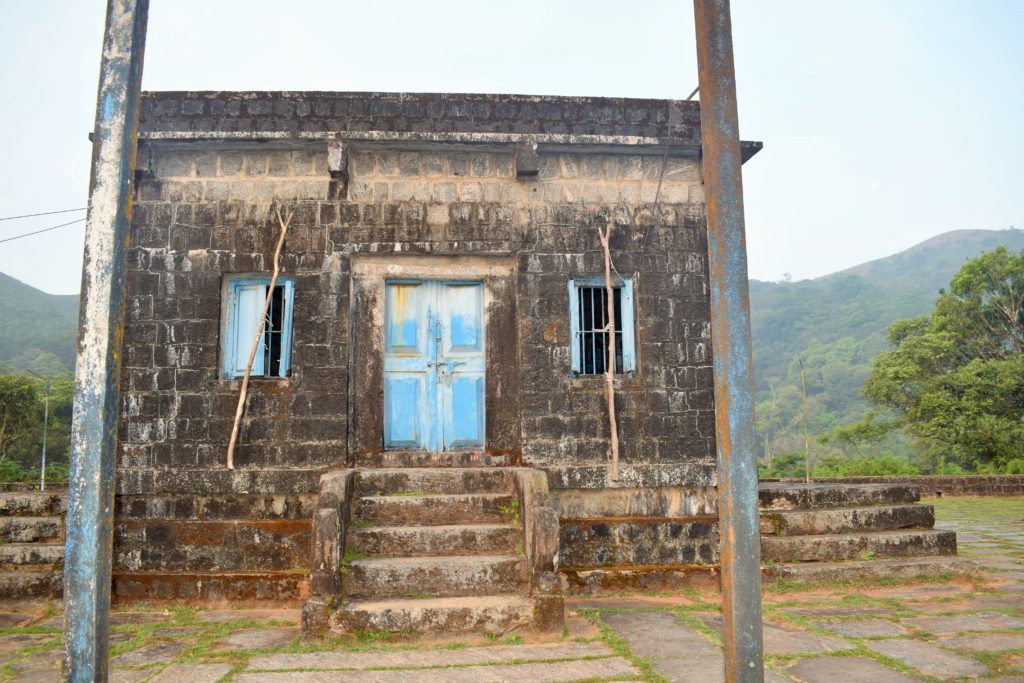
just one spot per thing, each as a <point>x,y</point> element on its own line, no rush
<point>954,379</point>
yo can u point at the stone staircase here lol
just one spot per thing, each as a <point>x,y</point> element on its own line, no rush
<point>433,549</point>
<point>821,532</point>
<point>31,544</point>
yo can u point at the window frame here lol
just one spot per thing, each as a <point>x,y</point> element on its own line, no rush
<point>627,312</point>
<point>232,367</point>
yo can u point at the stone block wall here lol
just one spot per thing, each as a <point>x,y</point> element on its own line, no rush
<point>207,213</point>
<point>205,208</point>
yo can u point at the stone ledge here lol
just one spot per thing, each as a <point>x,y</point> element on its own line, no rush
<point>933,486</point>
<point>145,481</point>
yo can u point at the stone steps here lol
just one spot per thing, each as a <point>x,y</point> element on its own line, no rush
<point>858,546</point>
<point>31,544</point>
<point>899,568</point>
<point>455,480</point>
<point>24,554</point>
<point>464,539</point>
<point>423,510</point>
<point>838,532</point>
<point>31,529</point>
<point>32,504</point>
<point>405,459</point>
<point>846,519</point>
<point>494,614</point>
<point>22,584</point>
<point>434,544</point>
<point>437,576</point>
<point>787,496</point>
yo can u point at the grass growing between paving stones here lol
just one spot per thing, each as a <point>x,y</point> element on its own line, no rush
<point>783,586</point>
<point>620,647</point>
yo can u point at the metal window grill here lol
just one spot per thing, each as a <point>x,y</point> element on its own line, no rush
<point>273,334</point>
<point>591,336</point>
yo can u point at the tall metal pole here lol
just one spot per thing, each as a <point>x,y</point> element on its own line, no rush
<point>101,326</point>
<point>46,426</point>
<point>730,333</point>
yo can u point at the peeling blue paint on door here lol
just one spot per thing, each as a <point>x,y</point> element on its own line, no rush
<point>434,365</point>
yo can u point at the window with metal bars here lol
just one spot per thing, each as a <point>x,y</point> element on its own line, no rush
<point>588,304</point>
<point>246,297</point>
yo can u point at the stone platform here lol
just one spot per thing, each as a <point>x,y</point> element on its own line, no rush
<point>948,628</point>
<point>826,532</point>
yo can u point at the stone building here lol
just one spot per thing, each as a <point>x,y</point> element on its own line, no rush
<point>427,417</point>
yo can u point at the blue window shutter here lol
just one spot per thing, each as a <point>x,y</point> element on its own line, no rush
<point>628,328</point>
<point>248,300</point>
<point>574,327</point>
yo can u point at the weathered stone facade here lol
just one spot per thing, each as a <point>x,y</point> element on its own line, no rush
<point>431,185</point>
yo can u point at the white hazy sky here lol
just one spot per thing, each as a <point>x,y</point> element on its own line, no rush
<point>884,122</point>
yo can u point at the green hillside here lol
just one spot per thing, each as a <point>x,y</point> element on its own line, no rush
<point>37,330</point>
<point>837,323</point>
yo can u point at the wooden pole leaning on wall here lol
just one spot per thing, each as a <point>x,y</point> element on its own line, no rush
<point>609,370</point>
<point>90,531</point>
<point>257,341</point>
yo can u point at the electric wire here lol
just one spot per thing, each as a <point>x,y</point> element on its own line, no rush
<point>44,213</point>
<point>36,232</point>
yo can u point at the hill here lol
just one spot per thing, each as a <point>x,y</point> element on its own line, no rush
<point>837,323</point>
<point>37,330</point>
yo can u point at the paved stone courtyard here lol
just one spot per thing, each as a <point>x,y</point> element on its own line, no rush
<point>932,630</point>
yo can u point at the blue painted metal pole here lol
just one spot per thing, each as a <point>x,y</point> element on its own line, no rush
<point>101,325</point>
<point>730,334</point>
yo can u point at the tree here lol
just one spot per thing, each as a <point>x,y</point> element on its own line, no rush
<point>18,410</point>
<point>954,379</point>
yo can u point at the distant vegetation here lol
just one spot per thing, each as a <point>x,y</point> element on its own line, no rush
<point>22,406</point>
<point>837,325</point>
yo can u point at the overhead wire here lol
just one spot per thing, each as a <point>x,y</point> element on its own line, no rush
<point>44,213</point>
<point>36,232</point>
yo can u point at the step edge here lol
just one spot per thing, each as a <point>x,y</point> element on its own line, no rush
<point>460,496</point>
<point>494,598</point>
<point>861,534</point>
<point>433,527</point>
<point>853,508</point>
<point>437,559</point>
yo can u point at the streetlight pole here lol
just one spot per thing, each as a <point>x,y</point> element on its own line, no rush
<point>46,424</point>
<point>90,519</point>
<point>730,339</point>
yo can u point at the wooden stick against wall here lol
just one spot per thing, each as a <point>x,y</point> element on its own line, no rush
<point>609,370</point>
<point>258,339</point>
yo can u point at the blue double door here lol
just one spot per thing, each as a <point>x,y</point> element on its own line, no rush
<point>433,365</point>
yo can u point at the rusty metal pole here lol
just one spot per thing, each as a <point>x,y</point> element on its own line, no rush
<point>101,325</point>
<point>730,334</point>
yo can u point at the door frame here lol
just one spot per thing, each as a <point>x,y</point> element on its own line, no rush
<point>368,273</point>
